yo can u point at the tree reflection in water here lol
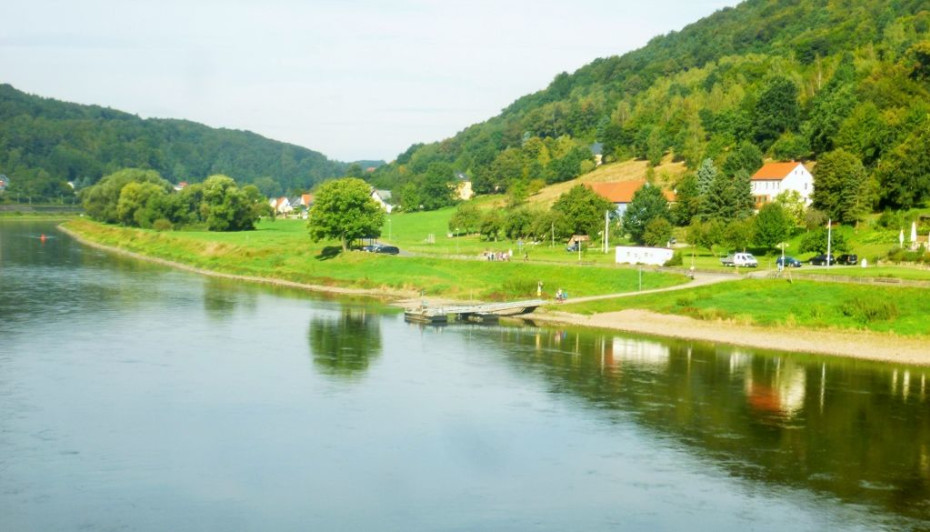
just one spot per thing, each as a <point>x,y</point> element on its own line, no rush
<point>345,346</point>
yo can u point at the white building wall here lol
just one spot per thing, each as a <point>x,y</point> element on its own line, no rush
<point>642,255</point>
<point>800,180</point>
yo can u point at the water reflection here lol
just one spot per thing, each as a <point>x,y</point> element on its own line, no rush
<point>775,387</point>
<point>221,298</point>
<point>854,430</point>
<point>344,346</point>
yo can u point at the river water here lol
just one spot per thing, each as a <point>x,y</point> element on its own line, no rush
<point>135,397</point>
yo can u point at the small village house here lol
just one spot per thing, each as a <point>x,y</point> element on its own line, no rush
<point>620,193</point>
<point>281,206</point>
<point>383,197</point>
<point>776,178</point>
<point>463,190</point>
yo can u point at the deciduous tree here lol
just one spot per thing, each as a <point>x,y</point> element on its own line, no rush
<point>841,186</point>
<point>772,226</point>
<point>226,207</point>
<point>658,232</point>
<point>583,210</point>
<point>101,200</point>
<point>648,203</point>
<point>345,210</point>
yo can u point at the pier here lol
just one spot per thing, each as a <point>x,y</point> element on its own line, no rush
<point>483,313</point>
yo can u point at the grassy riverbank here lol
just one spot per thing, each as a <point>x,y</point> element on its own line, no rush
<point>282,250</point>
<point>778,303</point>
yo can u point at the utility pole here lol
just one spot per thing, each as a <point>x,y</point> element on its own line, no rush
<point>606,229</point>
<point>829,238</point>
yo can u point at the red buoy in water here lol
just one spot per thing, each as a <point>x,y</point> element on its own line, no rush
<point>42,238</point>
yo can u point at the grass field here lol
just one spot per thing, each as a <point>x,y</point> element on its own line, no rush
<point>901,310</point>
<point>282,250</point>
<point>428,233</point>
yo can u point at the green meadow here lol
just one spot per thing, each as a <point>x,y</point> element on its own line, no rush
<point>281,249</point>
<point>776,302</point>
<point>437,262</point>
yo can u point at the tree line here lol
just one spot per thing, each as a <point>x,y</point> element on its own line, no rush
<point>142,198</point>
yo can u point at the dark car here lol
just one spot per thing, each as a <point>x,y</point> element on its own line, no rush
<point>390,250</point>
<point>789,262</point>
<point>848,258</point>
<point>823,260</point>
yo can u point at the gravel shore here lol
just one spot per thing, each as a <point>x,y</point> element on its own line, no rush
<point>853,344</point>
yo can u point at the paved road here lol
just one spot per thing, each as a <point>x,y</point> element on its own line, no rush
<point>700,279</point>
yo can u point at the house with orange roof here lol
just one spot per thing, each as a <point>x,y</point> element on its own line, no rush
<point>620,193</point>
<point>776,178</point>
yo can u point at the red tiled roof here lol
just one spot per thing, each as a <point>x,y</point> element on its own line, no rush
<point>622,191</point>
<point>775,171</point>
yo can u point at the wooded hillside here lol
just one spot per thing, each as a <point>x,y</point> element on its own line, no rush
<point>45,143</point>
<point>794,78</point>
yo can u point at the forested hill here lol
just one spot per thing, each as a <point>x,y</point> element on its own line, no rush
<point>45,142</point>
<point>793,79</point>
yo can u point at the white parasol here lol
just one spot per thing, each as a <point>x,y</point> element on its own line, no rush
<point>913,232</point>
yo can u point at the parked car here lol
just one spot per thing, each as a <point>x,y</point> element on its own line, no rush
<point>788,262</point>
<point>740,259</point>
<point>822,260</point>
<point>390,250</point>
<point>381,248</point>
<point>848,258</point>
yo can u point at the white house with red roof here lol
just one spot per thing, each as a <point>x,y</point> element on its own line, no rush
<point>776,178</point>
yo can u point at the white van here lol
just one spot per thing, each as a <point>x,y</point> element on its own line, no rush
<point>740,259</point>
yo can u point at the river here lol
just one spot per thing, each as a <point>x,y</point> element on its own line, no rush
<point>136,397</point>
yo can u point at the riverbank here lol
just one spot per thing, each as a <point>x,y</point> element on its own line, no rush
<point>885,347</point>
<point>381,293</point>
<point>864,345</point>
<point>283,250</point>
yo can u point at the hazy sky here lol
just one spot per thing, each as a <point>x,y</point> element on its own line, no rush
<point>351,79</point>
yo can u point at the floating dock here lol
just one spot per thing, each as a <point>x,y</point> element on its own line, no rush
<point>484,313</point>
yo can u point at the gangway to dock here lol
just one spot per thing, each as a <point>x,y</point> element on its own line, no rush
<point>481,313</point>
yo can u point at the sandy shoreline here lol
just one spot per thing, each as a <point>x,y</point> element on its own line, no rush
<point>865,345</point>
<point>853,344</point>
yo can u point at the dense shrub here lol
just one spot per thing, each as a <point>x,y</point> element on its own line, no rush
<point>162,224</point>
<point>676,260</point>
<point>868,308</point>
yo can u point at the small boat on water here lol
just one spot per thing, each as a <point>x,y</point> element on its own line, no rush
<point>425,316</point>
